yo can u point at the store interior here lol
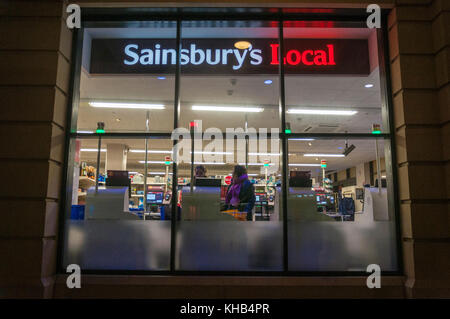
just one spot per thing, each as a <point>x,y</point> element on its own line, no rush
<point>340,181</point>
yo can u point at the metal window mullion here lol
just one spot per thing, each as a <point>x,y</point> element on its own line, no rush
<point>284,146</point>
<point>386,85</point>
<point>176,112</point>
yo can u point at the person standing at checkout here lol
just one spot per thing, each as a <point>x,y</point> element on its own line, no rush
<point>241,192</point>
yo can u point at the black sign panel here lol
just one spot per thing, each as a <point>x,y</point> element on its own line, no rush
<point>221,57</point>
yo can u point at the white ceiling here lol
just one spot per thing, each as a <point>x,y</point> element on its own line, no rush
<point>301,91</point>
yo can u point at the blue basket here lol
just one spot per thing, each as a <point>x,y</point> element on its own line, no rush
<point>77,212</point>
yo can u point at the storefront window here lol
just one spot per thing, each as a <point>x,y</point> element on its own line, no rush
<point>196,146</point>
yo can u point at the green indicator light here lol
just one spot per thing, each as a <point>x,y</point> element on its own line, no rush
<point>288,131</point>
<point>376,132</point>
<point>167,163</point>
<point>266,165</point>
<point>323,165</point>
<point>100,128</point>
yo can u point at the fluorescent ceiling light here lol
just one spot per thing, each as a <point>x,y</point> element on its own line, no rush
<point>301,139</point>
<point>265,154</point>
<point>85,132</point>
<point>324,155</point>
<point>92,150</point>
<point>153,162</point>
<point>123,105</point>
<point>170,152</point>
<point>268,82</point>
<point>321,112</point>
<point>312,165</point>
<point>151,151</point>
<point>253,174</point>
<point>226,108</point>
<point>255,164</point>
<point>368,86</point>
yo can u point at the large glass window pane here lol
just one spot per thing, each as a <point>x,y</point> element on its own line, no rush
<point>121,222</point>
<point>128,75</point>
<point>333,78</point>
<point>227,82</point>
<point>213,235</point>
<point>340,205</point>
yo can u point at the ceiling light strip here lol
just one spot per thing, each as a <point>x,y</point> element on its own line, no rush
<point>217,108</point>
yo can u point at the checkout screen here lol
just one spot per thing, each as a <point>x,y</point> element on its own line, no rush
<point>261,198</point>
<point>155,197</point>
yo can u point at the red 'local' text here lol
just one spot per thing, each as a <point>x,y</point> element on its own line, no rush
<point>307,57</point>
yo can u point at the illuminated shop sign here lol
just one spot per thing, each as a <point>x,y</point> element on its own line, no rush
<point>220,57</point>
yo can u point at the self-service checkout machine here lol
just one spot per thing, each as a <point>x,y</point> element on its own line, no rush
<point>112,200</point>
<point>303,202</point>
<point>202,201</point>
<point>264,201</point>
<point>158,201</point>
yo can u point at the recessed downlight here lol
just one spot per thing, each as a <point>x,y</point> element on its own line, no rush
<point>92,150</point>
<point>242,45</point>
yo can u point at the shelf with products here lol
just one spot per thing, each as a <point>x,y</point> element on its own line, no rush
<point>89,180</point>
<point>84,183</point>
<point>86,180</point>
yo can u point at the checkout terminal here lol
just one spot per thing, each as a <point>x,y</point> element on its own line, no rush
<point>157,201</point>
<point>264,202</point>
<point>203,203</point>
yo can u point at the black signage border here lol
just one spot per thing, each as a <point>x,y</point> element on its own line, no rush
<point>219,56</point>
